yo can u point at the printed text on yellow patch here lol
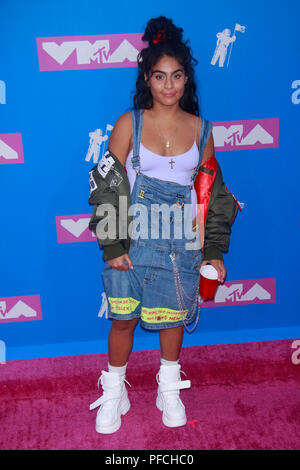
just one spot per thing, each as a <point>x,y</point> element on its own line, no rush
<point>161,315</point>
<point>123,305</point>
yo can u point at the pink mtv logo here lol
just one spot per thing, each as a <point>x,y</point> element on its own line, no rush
<point>74,228</point>
<point>11,148</point>
<point>249,134</point>
<point>22,308</point>
<point>247,291</point>
<point>89,52</point>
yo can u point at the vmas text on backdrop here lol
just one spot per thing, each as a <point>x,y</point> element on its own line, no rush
<point>89,52</point>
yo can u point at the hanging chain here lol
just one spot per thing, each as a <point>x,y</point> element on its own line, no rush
<point>180,292</point>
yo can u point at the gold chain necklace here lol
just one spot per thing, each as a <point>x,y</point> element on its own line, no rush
<point>167,142</point>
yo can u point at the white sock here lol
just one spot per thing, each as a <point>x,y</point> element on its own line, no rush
<point>164,362</point>
<point>118,370</point>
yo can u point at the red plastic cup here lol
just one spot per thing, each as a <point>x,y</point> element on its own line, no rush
<point>208,282</point>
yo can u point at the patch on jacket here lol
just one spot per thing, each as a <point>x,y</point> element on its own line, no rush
<point>105,164</point>
<point>116,179</point>
<point>93,184</point>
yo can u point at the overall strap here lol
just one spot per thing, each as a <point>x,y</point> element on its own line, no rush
<point>206,127</point>
<point>137,125</point>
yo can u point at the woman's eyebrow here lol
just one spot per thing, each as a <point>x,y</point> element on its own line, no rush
<point>160,71</point>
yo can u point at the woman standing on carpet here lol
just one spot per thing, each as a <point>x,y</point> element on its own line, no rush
<point>157,281</point>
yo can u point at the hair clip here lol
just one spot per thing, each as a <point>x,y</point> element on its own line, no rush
<point>160,37</point>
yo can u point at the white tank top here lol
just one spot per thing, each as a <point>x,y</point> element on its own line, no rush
<point>178,168</point>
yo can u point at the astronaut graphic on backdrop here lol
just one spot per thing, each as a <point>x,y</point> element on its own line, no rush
<point>96,140</point>
<point>223,42</point>
<point>224,39</point>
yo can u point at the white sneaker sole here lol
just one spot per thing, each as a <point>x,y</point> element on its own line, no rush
<point>170,423</point>
<point>115,426</point>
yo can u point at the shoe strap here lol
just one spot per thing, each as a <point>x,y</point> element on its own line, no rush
<point>113,394</point>
<point>109,393</point>
<point>96,403</point>
<point>168,386</point>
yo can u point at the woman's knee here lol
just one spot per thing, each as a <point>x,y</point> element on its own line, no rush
<point>126,326</point>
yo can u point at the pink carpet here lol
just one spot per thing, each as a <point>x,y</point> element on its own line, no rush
<point>243,396</point>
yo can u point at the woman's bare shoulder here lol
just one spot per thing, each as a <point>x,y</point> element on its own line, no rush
<point>194,124</point>
<point>121,136</point>
<point>209,148</point>
<point>191,119</point>
<point>124,119</point>
<point>123,124</point>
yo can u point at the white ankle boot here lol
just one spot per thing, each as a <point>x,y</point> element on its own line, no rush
<point>168,400</point>
<point>113,403</point>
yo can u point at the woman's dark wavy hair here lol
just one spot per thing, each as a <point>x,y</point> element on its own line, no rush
<point>171,45</point>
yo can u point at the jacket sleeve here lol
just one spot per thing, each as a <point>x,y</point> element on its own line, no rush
<point>221,213</point>
<point>102,192</point>
<point>112,248</point>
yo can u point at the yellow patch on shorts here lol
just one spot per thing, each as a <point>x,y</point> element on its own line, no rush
<point>123,305</point>
<point>161,315</point>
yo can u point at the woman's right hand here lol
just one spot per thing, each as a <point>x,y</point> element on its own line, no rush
<point>118,263</point>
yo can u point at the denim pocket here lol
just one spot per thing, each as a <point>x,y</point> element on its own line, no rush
<point>188,260</point>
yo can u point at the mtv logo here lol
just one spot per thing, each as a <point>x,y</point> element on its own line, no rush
<point>74,228</point>
<point>234,293</point>
<point>11,148</point>
<point>20,308</point>
<point>248,291</point>
<point>2,92</point>
<point>231,293</point>
<point>89,52</point>
<point>250,134</point>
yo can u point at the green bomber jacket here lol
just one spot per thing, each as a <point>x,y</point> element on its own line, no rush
<point>108,181</point>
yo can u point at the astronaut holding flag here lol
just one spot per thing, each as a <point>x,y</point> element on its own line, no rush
<point>96,140</point>
<point>224,39</point>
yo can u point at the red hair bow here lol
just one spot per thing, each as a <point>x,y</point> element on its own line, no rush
<point>160,37</point>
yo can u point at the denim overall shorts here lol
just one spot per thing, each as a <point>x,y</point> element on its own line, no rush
<point>162,288</point>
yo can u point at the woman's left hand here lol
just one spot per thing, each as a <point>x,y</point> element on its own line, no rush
<point>219,266</point>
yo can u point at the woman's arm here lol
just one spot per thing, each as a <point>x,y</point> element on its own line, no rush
<point>218,219</point>
<point>115,250</point>
<point>120,142</point>
<point>216,263</point>
<point>209,149</point>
